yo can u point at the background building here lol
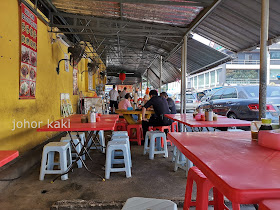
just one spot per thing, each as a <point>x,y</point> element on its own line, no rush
<point>244,69</point>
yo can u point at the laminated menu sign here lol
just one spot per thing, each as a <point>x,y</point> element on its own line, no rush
<point>28,68</point>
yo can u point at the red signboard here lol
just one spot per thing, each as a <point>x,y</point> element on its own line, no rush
<point>28,69</point>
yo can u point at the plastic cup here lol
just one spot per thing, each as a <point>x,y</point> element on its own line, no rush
<point>97,119</point>
<point>255,126</point>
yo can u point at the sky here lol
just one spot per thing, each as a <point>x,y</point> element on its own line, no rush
<point>201,39</point>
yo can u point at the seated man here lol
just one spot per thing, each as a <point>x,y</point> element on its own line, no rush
<point>171,103</point>
<point>160,106</point>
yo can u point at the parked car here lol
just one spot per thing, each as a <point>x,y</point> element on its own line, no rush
<point>242,102</point>
<point>191,101</point>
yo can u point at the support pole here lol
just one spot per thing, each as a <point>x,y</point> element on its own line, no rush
<point>263,58</point>
<point>147,78</point>
<point>141,87</point>
<point>184,74</point>
<point>183,80</point>
<point>160,75</point>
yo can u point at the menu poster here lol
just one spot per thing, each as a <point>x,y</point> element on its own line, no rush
<point>129,88</point>
<point>75,81</point>
<point>28,67</point>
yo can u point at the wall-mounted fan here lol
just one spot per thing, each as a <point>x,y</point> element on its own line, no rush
<point>102,74</point>
<point>77,52</point>
<point>93,67</point>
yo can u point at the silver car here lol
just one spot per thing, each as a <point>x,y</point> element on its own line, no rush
<point>191,101</point>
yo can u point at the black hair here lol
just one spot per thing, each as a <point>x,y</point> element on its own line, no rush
<point>127,95</point>
<point>124,88</point>
<point>114,86</point>
<point>164,94</point>
<point>153,93</point>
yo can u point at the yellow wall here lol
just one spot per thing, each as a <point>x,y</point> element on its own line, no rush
<point>49,84</point>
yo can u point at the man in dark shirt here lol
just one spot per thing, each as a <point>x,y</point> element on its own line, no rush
<point>171,103</point>
<point>160,106</point>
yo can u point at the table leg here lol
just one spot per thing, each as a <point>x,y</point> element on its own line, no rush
<point>79,155</point>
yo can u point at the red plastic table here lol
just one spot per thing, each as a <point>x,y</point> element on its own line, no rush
<point>272,204</point>
<point>187,119</point>
<point>7,156</point>
<point>73,123</point>
<point>243,171</point>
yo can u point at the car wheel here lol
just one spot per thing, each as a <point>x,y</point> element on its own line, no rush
<point>232,115</point>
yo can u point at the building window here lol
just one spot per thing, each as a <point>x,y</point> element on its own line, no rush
<point>274,73</point>
<point>274,55</point>
<point>201,81</point>
<point>248,57</point>
<point>242,76</point>
<point>212,75</point>
<point>191,82</point>
<point>207,79</point>
<point>219,75</point>
<point>195,82</point>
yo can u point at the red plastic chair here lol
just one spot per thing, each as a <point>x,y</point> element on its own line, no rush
<point>162,128</point>
<point>121,126</point>
<point>139,133</point>
<point>174,125</point>
<point>122,120</point>
<point>203,187</point>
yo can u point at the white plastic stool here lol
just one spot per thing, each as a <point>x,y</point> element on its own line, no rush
<point>102,145</point>
<point>138,203</point>
<point>78,147</point>
<point>47,163</point>
<point>174,153</point>
<point>120,153</point>
<point>82,136</point>
<point>152,135</point>
<point>182,162</point>
<point>119,133</point>
<point>112,146</point>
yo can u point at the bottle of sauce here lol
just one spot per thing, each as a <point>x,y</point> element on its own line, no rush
<point>266,124</point>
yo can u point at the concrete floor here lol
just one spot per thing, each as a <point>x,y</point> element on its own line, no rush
<point>83,190</point>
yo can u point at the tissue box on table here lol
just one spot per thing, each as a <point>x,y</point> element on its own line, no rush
<point>270,139</point>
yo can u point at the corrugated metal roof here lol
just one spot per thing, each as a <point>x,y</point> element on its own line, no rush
<point>130,35</point>
<point>236,24</point>
<point>197,51</point>
<point>148,11</point>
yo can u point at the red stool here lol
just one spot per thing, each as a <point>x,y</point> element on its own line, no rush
<point>174,124</point>
<point>122,120</point>
<point>120,126</point>
<point>139,133</point>
<point>203,187</point>
<point>162,128</point>
<point>270,204</point>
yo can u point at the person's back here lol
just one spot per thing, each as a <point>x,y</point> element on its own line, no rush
<point>171,105</point>
<point>123,93</point>
<point>159,104</point>
<point>113,99</point>
<point>113,94</point>
<point>124,104</point>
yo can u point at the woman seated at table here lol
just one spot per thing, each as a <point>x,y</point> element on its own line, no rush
<point>125,103</point>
